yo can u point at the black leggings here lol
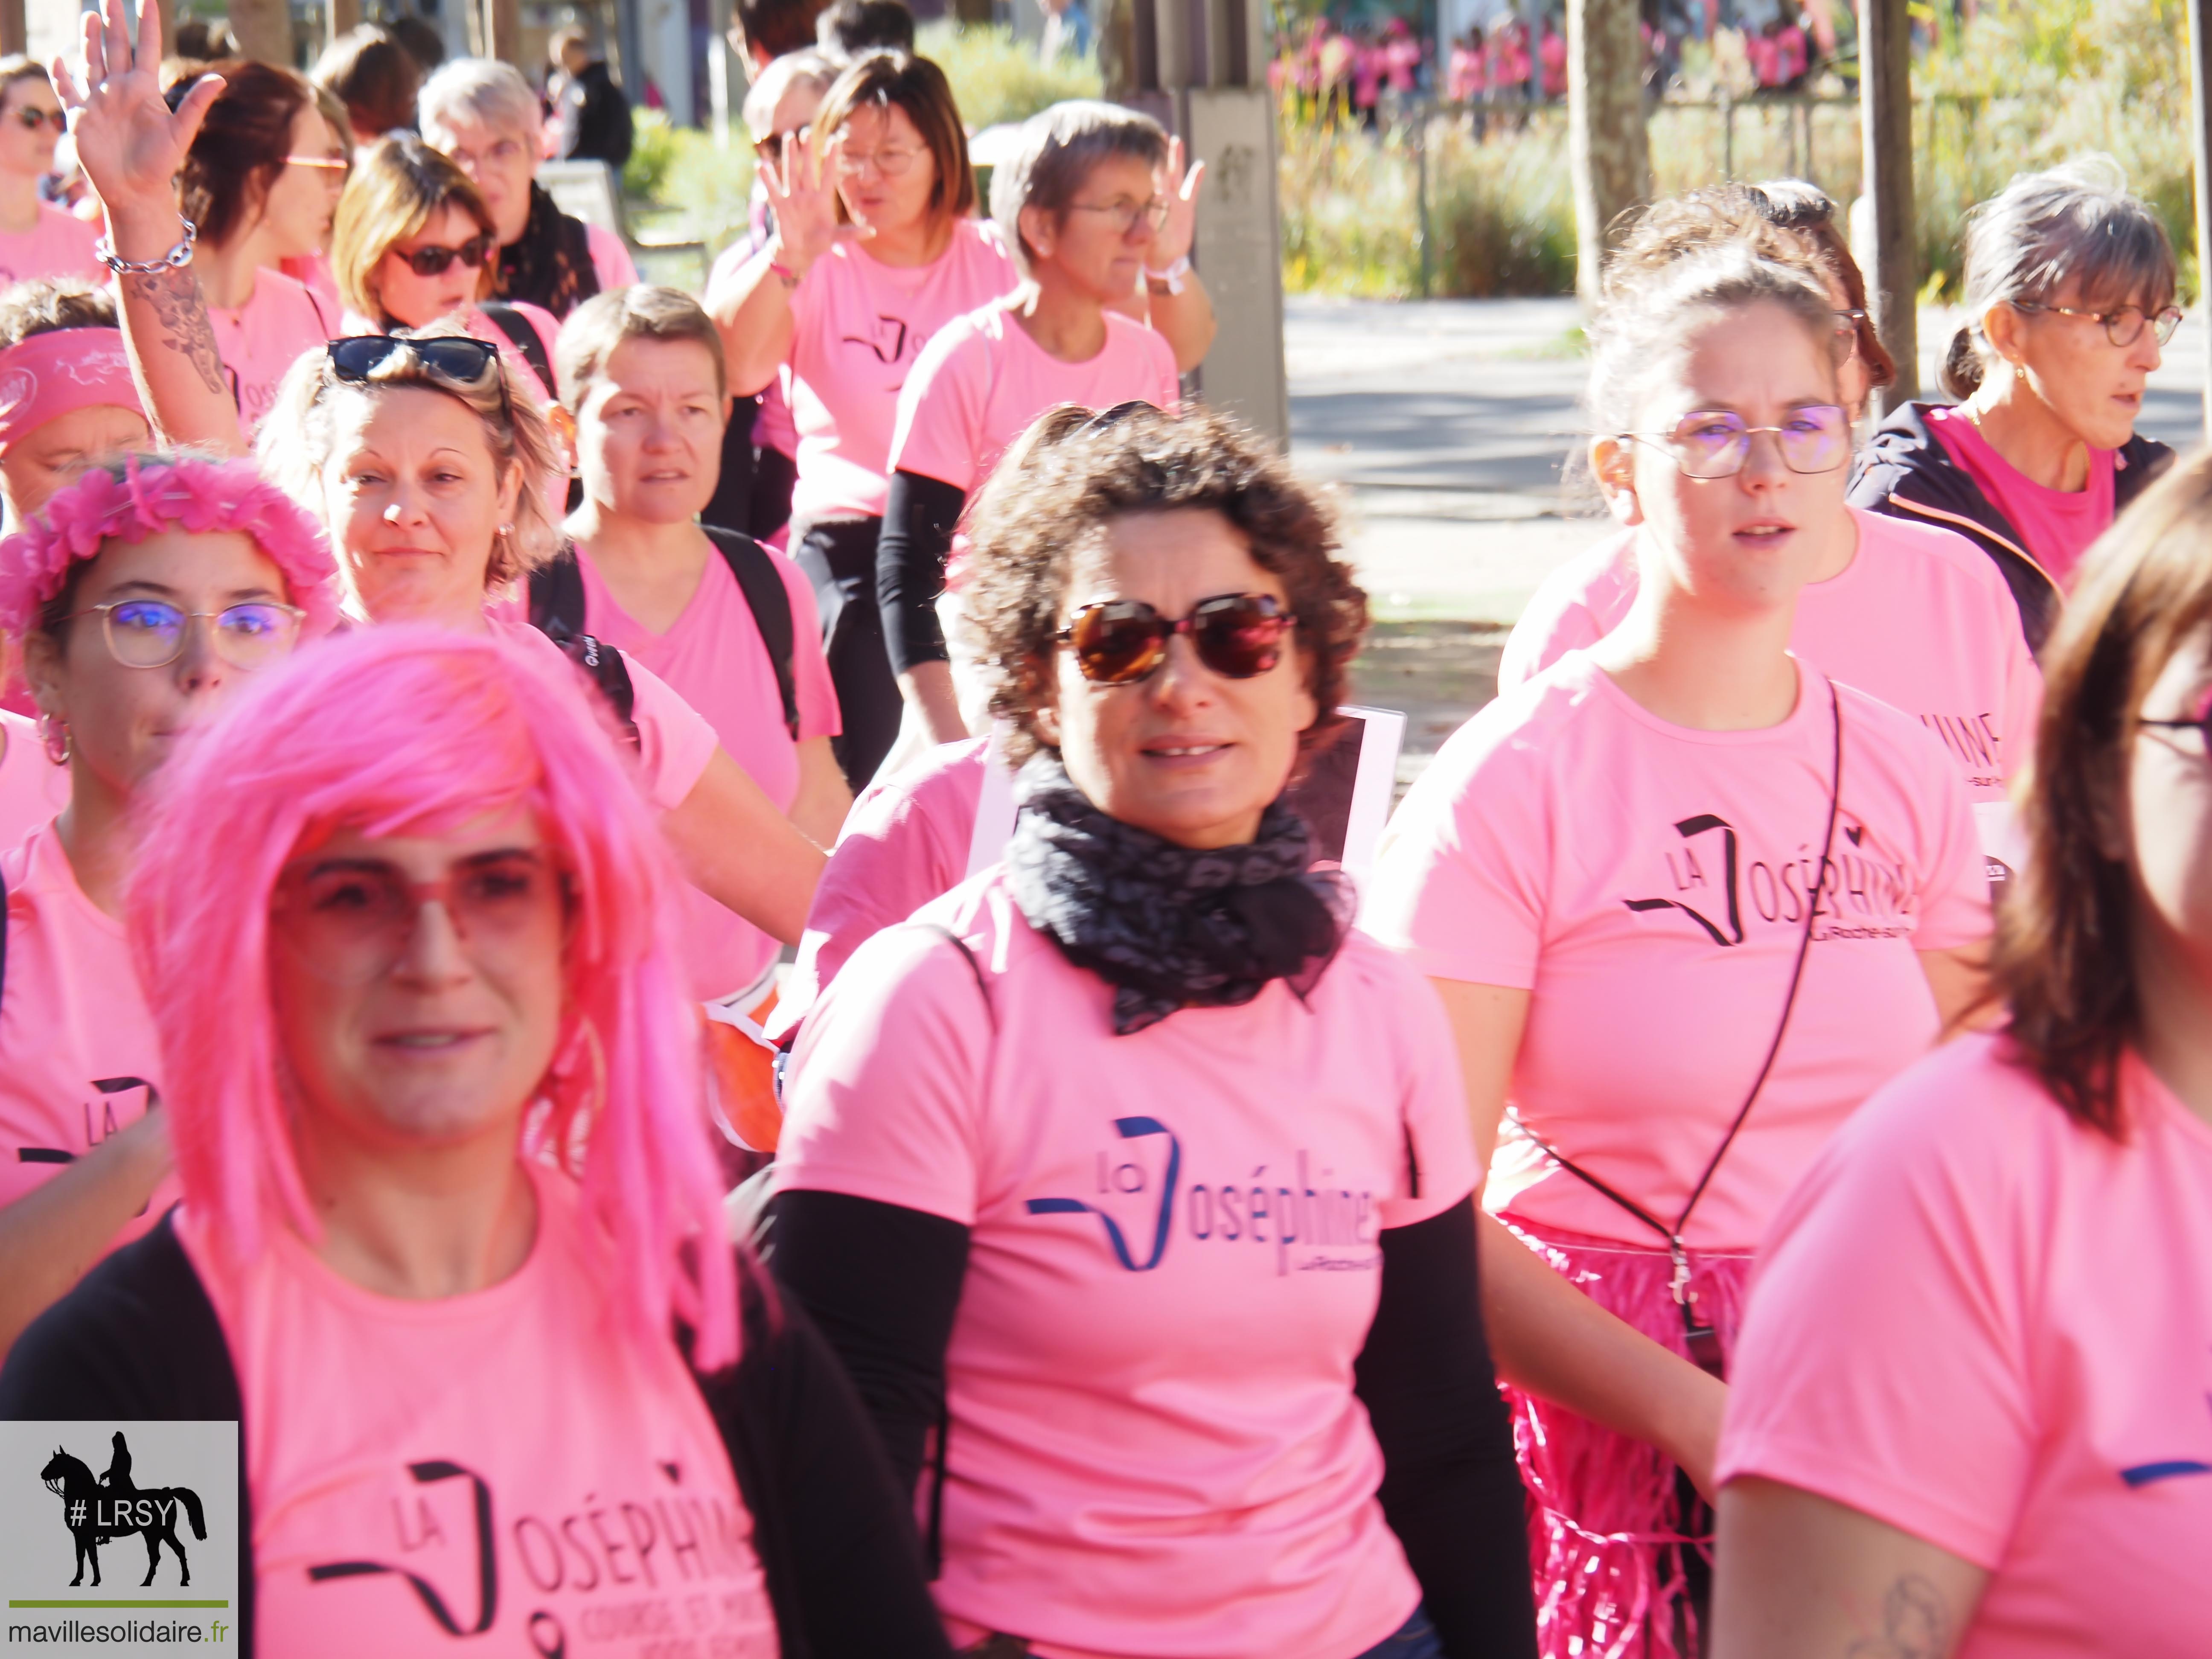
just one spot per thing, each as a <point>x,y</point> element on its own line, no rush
<point>839,557</point>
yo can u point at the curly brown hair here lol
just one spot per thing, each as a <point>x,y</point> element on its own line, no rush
<point>1050,502</point>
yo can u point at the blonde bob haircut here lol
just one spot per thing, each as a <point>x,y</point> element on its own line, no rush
<point>297,439</point>
<point>399,183</point>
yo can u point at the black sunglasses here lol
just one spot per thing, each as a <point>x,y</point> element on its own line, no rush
<point>454,360</point>
<point>1121,641</point>
<point>436,261</point>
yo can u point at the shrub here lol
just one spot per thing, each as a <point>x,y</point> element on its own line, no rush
<point>997,78</point>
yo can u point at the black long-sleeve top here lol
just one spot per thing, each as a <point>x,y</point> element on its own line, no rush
<point>920,516</point>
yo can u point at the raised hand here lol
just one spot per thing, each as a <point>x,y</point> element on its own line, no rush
<point>803,191</point>
<point>131,146</point>
<point>1180,190</point>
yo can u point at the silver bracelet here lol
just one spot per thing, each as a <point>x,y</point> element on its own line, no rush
<point>175,259</point>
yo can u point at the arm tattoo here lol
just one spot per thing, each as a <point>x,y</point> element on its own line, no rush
<point>1914,1624</point>
<point>181,308</point>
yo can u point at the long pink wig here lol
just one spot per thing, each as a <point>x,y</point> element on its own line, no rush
<point>411,731</point>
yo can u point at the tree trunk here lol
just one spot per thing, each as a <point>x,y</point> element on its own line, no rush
<point>263,29</point>
<point>1886,117</point>
<point>14,36</point>
<point>1608,148</point>
<point>503,25</point>
<point>344,16</point>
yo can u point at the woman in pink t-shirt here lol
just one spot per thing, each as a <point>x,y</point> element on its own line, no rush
<point>261,182</point>
<point>451,1250</point>
<point>1078,201</point>
<point>643,367</point>
<point>1688,903</point>
<point>37,238</point>
<point>66,398</point>
<point>2070,285</point>
<point>1970,1412</point>
<point>428,465</point>
<point>107,587</point>
<point>1128,1171</point>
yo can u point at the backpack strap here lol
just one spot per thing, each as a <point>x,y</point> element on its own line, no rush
<point>557,610</point>
<point>518,329</point>
<point>758,579</point>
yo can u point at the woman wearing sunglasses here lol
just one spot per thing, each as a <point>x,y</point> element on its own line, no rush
<point>1969,1413</point>
<point>1688,902</point>
<point>1079,202</point>
<point>412,245</point>
<point>37,238</point>
<point>261,179</point>
<point>429,470</point>
<point>1909,611</point>
<point>143,594</point>
<point>1127,1173</point>
<point>2070,295</point>
<point>449,1242</point>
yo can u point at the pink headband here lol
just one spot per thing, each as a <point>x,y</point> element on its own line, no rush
<point>194,493</point>
<point>58,373</point>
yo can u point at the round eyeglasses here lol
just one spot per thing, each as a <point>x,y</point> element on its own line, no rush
<point>1716,444</point>
<point>1124,213</point>
<point>2123,326</point>
<point>151,632</point>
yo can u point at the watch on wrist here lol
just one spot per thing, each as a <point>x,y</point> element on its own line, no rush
<point>1170,280</point>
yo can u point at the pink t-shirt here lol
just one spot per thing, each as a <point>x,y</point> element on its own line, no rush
<point>261,338</point>
<point>674,741</point>
<point>556,1483</point>
<point>905,841</point>
<point>59,245</point>
<point>1920,618</point>
<point>78,1058</point>
<point>32,788</point>
<point>773,428</point>
<point>1173,1263</point>
<point>2056,524</point>
<point>858,326</point>
<point>1992,1329</point>
<point>714,659</point>
<point>609,257</point>
<point>1647,881</point>
<point>982,379</point>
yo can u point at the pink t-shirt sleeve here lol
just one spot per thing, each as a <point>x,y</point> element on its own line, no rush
<point>1459,889</point>
<point>886,1078</point>
<point>609,258</point>
<point>674,740</point>
<point>939,431</point>
<point>1563,614</point>
<point>1954,909</point>
<point>1901,1226</point>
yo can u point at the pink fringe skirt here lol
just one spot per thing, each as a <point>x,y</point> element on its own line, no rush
<point>1611,1538</point>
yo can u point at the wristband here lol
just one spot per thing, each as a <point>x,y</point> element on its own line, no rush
<point>783,273</point>
<point>175,259</point>
<point>1170,280</point>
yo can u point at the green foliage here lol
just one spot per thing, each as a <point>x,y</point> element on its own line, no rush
<point>652,154</point>
<point>679,186</point>
<point>997,78</point>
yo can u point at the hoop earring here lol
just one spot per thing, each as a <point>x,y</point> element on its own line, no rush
<point>54,739</point>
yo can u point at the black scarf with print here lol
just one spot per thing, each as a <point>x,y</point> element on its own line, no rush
<point>549,264</point>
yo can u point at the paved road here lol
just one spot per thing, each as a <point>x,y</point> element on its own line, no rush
<point>1448,420</point>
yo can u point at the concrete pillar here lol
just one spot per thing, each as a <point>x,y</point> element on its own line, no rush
<point>1886,119</point>
<point>263,29</point>
<point>1608,148</point>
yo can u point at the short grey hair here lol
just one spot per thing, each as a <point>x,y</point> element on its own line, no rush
<point>2074,226</point>
<point>809,67</point>
<point>1053,155</point>
<point>479,89</point>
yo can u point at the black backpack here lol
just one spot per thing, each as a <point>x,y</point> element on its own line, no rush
<point>517,328</point>
<point>556,609</point>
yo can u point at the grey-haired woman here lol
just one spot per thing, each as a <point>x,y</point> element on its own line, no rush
<point>2070,295</point>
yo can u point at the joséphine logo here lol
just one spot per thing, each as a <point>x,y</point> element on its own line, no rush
<point>1312,1221</point>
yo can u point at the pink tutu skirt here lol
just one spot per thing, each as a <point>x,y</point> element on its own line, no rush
<point>1612,1542</point>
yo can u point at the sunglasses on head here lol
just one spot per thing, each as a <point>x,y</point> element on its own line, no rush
<point>1121,641</point>
<point>435,261</point>
<point>454,360</point>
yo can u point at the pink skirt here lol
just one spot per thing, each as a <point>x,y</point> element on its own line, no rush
<point>1611,1540</point>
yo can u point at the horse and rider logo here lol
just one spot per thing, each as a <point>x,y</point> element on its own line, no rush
<point>98,1510</point>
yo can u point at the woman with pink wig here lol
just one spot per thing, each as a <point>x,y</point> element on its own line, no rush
<point>451,1226</point>
<point>426,461</point>
<point>143,593</point>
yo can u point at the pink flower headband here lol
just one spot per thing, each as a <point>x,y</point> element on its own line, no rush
<point>58,373</point>
<point>190,492</point>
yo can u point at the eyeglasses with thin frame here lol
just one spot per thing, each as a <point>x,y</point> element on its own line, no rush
<point>351,920</point>
<point>892,162</point>
<point>1716,443</point>
<point>436,261</point>
<point>2123,326</point>
<point>1121,642</point>
<point>1849,321</point>
<point>1123,214</point>
<point>32,118</point>
<point>151,632</point>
